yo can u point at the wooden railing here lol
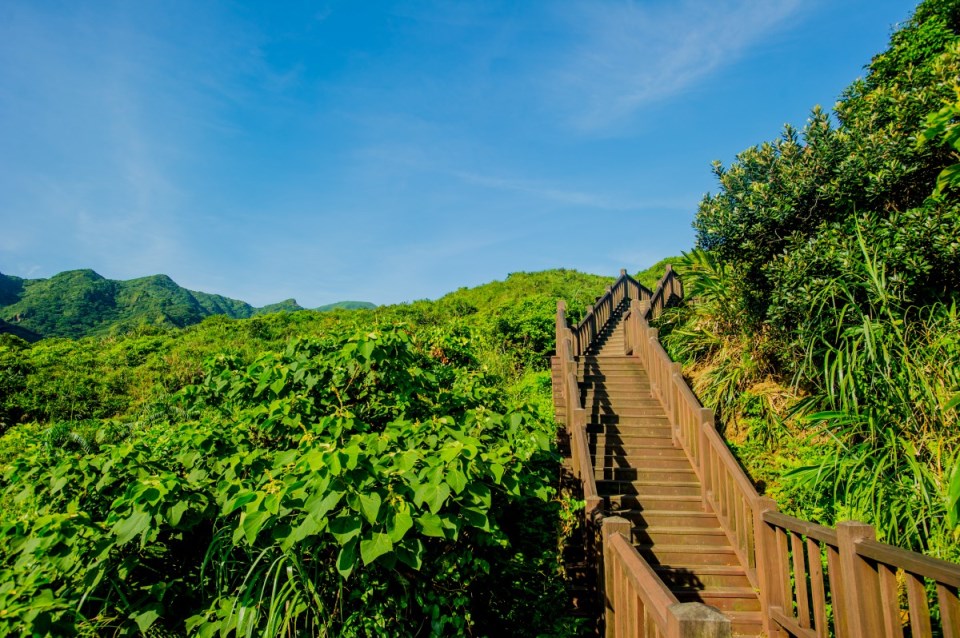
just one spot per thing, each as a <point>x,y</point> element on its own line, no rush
<point>870,578</point>
<point>637,602</point>
<point>668,289</point>
<point>585,332</point>
<point>871,588</point>
<point>813,581</point>
<point>576,416</point>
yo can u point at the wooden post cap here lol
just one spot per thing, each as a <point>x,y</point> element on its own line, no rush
<point>696,620</point>
<point>613,524</point>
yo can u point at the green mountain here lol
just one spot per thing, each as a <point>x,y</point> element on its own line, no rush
<point>79,303</point>
<point>347,305</point>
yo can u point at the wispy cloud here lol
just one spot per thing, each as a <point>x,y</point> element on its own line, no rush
<point>544,190</point>
<point>633,54</point>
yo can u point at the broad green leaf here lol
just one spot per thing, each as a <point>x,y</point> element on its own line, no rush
<point>497,470</point>
<point>370,505</point>
<point>443,493</point>
<point>431,525</point>
<point>319,504</point>
<point>410,552</point>
<point>450,451</point>
<point>366,349</point>
<point>476,518</point>
<point>953,497</point>
<point>456,480</point>
<point>375,547</point>
<point>346,527</point>
<point>196,475</point>
<point>237,502</point>
<point>406,461</point>
<point>352,454</point>
<point>252,523</point>
<point>308,527</point>
<point>347,558</point>
<point>136,524</point>
<point>145,619</point>
<point>431,494</point>
<point>401,523</point>
<point>176,511</point>
<point>423,492</point>
<point>480,494</point>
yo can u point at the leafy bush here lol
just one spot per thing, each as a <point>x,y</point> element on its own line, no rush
<point>824,295</point>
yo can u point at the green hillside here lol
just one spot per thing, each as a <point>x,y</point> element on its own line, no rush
<point>383,469</point>
<point>81,303</point>
<point>650,276</point>
<point>346,305</point>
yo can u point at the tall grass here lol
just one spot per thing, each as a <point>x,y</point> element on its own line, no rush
<point>724,357</point>
<point>870,403</point>
<point>884,373</point>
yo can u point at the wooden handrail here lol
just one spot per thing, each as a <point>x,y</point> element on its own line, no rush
<point>799,568</point>
<point>864,580</point>
<point>631,577</point>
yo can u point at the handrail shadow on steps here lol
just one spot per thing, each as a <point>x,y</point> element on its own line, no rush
<point>799,569</point>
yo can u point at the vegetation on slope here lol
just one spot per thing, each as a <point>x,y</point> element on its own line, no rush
<point>824,325</point>
<point>650,277</point>
<point>373,472</point>
<point>80,303</point>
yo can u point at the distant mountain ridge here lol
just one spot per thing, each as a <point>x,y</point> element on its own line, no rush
<point>80,303</point>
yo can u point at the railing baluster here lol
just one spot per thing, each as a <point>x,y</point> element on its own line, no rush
<point>814,555</point>
<point>919,611</point>
<point>800,578</point>
<point>949,610</point>
<point>890,601</point>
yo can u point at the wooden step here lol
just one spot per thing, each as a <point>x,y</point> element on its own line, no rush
<point>633,416</point>
<point>612,403</point>
<point>638,429</point>
<point>639,461</point>
<point>746,624</point>
<point>646,488</point>
<point>667,555</point>
<point>680,536</point>
<point>670,518</point>
<point>596,373</point>
<point>685,474</point>
<point>625,388</point>
<point>662,437</point>
<point>607,414</point>
<point>678,577</point>
<point>616,503</point>
<point>723,598</point>
<point>644,449</point>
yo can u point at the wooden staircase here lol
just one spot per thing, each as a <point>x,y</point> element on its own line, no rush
<point>643,477</point>
<point>682,544</point>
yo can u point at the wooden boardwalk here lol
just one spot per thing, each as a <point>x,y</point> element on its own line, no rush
<point>681,540</point>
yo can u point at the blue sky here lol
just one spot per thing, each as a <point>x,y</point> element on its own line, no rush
<point>391,151</point>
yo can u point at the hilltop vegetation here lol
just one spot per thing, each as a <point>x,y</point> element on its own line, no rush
<point>823,325</point>
<point>80,303</point>
<point>372,472</point>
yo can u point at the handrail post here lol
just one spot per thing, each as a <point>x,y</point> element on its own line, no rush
<point>696,620</point>
<point>609,574</point>
<point>706,460</point>
<point>676,380</point>
<point>861,589</point>
<point>766,549</point>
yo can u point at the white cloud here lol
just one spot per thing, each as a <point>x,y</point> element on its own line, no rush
<point>543,190</point>
<point>633,54</point>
